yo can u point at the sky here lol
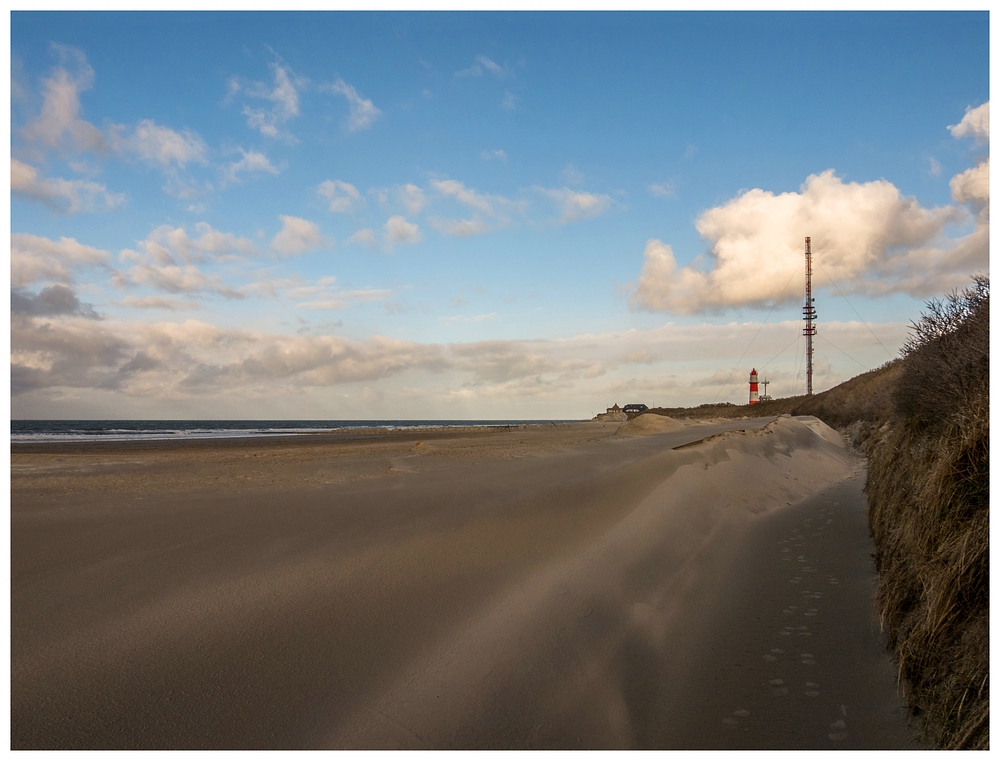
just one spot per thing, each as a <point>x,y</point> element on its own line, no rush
<point>463,215</point>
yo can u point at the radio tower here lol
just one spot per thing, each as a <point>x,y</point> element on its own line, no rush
<point>809,314</point>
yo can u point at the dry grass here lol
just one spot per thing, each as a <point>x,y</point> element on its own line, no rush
<point>928,496</point>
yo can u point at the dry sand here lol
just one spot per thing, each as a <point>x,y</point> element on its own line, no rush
<point>537,587</point>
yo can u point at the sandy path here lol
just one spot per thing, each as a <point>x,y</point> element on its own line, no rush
<point>792,656</point>
<point>455,596</point>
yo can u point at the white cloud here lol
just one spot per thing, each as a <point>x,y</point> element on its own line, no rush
<point>490,212</point>
<point>458,191</point>
<point>509,102</point>
<point>221,246</point>
<point>866,236</point>
<point>34,259</point>
<point>935,167</point>
<point>476,70</point>
<point>174,278</point>
<point>344,198</point>
<point>412,198</point>
<point>972,185</point>
<point>59,125</point>
<point>170,245</point>
<point>284,96</point>
<point>167,260</point>
<point>575,205</point>
<point>156,144</point>
<point>252,161</point>
<point>60,195</point>
<point>399,231</point>
<point>297,236</point>
<point>461,228</point>
<point>663,189</point>
<point>365,237</point>
<point>975,124</point>
<point>362,112</point>
<point>494,154</point>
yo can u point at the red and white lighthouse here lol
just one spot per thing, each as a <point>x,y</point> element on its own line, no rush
<point>754,399</point>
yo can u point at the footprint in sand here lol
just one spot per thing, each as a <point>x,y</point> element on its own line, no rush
<point>812,690</point>
<point>812,612</point>
<point>737,716</point>
<point>773,655</point>
<point>808,659</point>
<point>777,687</point>
<point>837,731</point>
<point>833,581</point>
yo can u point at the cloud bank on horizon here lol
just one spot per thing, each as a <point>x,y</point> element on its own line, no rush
<point>138,287</point>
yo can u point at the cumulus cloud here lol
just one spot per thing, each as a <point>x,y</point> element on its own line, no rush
<point>59,125</point>
<point>297,236</point>
<point>167,260</point>
<point>35,259</point>
<point>362,112</point>
<point>462,228</point>
<point>973,185</point>
<point>576,205</point>
<point>170,245</point>
<point>283,94</point>
<point>412,198</point>
<point>252,161</point>
<point>975,124</point>
<point>866,236</point>
<point>365,237</point>
<point>60,195</point>
<point>344,198</point>
<point>458,191</point>
<point>49,302</point>
<point>398,231</point>
<point>173,278</point>
<point>156,144</point>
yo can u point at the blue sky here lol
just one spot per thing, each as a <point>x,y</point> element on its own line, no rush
<point>478,215</point>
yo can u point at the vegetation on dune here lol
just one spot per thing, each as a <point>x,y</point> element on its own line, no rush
<point>928,495</point>
<point>923,421</point>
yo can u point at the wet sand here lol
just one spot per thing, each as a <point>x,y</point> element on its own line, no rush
<point>541,587</point>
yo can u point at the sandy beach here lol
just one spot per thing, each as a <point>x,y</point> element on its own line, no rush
<point>586,585</point>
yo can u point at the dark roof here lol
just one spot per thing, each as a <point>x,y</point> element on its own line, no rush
<point>634,408</point>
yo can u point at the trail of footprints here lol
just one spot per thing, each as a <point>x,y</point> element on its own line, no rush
<point>791,552</point>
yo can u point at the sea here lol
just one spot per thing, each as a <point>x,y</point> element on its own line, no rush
<point>47,431</point>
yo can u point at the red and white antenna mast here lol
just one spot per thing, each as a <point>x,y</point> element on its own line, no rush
<point>809,315</point>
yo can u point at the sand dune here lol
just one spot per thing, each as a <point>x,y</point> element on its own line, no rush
<point>645,425</point>
<point>531,588</point>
